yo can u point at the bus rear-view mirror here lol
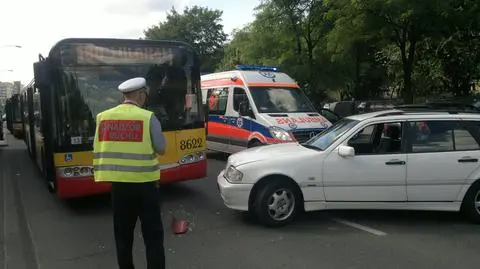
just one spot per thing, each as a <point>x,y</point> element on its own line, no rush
<point>42,74</point>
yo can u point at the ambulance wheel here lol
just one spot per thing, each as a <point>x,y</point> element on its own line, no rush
<point>255,143</point>
<point>277,203</point>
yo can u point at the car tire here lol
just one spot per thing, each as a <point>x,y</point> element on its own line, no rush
<point>471,203</point>
<point>280,198</point>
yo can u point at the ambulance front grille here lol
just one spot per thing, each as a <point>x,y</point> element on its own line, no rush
<point>302,136</point>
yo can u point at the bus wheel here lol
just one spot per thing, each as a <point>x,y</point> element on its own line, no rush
<point>51,184</point>
<point>52,187</point>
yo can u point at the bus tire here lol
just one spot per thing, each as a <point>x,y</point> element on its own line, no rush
<point>51,184</point>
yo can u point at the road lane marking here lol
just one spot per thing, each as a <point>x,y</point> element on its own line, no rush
<point>360,227</point>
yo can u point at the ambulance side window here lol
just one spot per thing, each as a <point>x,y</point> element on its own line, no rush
<point>239,95</point>
<point>217,101</point>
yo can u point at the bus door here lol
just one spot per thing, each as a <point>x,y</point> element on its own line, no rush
<point>218,129</point>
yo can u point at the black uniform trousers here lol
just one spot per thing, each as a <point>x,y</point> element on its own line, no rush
<point>131,201</point>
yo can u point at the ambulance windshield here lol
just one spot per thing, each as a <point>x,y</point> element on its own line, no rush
<point>280,100</point>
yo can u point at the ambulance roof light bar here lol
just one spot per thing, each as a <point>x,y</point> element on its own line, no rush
<point>257,68</point>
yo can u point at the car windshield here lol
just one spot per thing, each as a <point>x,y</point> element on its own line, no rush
<point>326,138</point>
<point>280,100</point>
<point>87,91</point>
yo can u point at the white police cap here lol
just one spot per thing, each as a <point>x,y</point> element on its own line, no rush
<point>132,84</point>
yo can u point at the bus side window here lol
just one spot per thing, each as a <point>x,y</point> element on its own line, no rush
<point>37,113</point>
<point>239,96</point>
<point>217,101</point>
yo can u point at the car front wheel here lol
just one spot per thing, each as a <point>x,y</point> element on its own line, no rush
<point>277,203</point>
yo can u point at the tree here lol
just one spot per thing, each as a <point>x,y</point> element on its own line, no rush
<point>415,49</point>
<point>458,46</point>
<point>351,44</point>
<point>198,26</point>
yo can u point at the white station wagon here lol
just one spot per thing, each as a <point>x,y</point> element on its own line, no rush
<point>390,159</point>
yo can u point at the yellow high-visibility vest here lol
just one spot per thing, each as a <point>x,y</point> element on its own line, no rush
<point>122,149</point>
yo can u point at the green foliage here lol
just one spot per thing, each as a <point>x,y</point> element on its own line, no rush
<point>198,26</point>
<point>363,49</point>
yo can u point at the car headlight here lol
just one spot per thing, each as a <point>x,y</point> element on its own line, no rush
<point>75,171</point>
<point>280,134</point>
<point>232,174</point>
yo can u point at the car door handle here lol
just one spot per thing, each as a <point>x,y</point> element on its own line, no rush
<point>395,162</point>
<point>467,160</point>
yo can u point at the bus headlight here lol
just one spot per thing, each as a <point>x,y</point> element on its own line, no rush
<point>232,174</point>
<point>75,171</point>
<point>193,157</point>
<point>280,134</point>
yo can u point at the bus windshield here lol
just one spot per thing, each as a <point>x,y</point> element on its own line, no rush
<point>280,100</point>
<point>85,91</point>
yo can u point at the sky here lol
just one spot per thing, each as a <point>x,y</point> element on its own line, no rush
<point>36,25</point>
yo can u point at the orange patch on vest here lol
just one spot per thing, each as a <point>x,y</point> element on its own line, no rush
<point>121,130</point>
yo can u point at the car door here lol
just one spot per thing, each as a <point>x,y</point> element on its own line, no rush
<point>442,154</point>
<point>377,172</point>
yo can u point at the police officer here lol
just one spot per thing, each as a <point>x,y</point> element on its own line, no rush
<point>127,141</point>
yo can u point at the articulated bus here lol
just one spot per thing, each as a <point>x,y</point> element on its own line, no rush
<point>79,79</point>
<point>13,109</point>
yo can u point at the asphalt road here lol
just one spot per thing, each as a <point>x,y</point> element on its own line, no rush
<point>39,231</point>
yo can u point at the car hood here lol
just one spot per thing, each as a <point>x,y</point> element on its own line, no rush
<point>267,152</point>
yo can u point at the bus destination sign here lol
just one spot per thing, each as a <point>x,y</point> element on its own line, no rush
<point>91,54</point>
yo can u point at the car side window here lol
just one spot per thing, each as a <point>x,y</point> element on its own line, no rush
<point>464,139</point>
<point>239,96</point>
<point>217,101</point>
<point>441,136</point>
<point>380,138</point>
<point>431,136</point>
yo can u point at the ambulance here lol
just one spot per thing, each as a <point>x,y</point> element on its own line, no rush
<point>254,106</point>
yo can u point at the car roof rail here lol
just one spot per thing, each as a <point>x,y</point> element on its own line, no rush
<point>416,110</point>
<point>390,113</point>
<point>438,110</point>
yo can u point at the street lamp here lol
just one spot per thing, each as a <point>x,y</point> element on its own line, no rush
<point>11,46</point>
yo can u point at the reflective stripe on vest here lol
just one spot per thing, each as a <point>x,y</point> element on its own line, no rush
<point>123,155</point>
<point>123,148</point>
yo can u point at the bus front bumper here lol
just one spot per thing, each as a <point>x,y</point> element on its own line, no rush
<point>86,186</point>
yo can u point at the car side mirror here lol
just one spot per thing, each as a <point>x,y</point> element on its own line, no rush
<point>346,151</point>
<point>244,109</point>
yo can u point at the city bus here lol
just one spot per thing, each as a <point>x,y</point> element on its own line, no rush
<point>79,79</point>
<point>13,109</point>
